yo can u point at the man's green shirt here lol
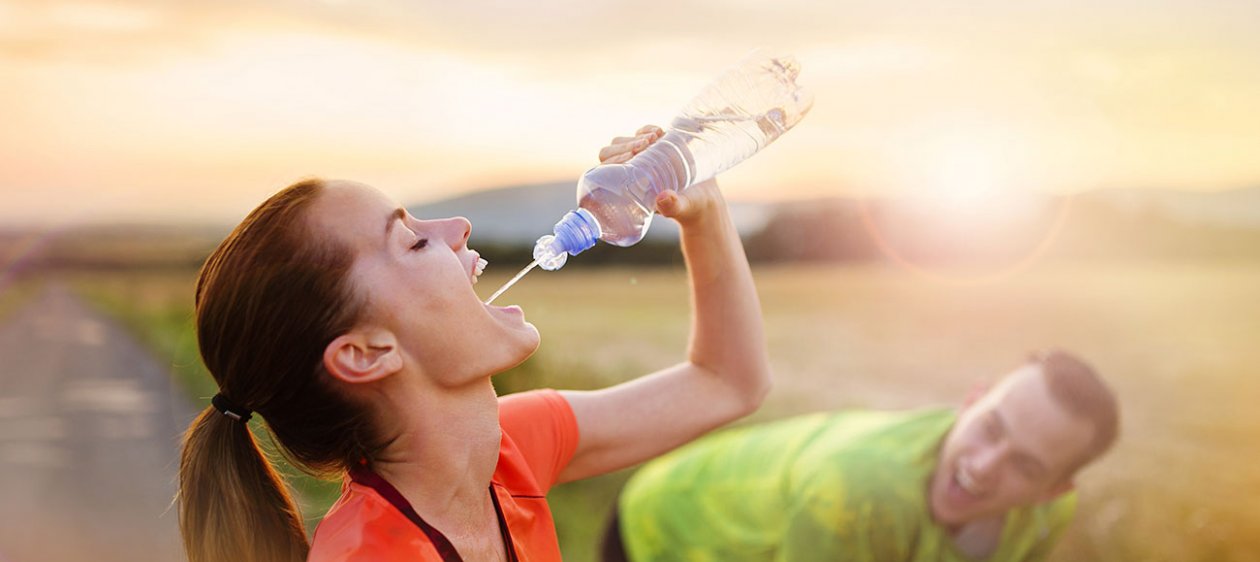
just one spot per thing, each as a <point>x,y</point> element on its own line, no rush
<point>834,486</point>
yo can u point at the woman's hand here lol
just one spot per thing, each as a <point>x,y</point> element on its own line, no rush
<point>621,149</point>
<point>696,201</point>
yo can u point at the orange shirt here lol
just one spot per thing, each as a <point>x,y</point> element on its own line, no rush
<point>372,521</point>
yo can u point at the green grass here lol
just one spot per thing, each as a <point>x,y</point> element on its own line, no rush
<point>157,307</point>
<point>14,293</point>
<point>1178,342</point>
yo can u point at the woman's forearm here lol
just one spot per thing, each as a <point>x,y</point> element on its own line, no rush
<point>727,334</point>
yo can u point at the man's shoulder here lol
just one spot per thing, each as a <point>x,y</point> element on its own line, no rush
<point>873,462</point>
<point>1055,515</point>
<point>879,444</point>
<point>1034,530</point>
<point>888,429</point>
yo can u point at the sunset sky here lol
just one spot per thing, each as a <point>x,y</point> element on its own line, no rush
<point>197,110</point>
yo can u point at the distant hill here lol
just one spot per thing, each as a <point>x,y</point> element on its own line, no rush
<point>520,214</point>
<point>1230,208</point>
<point>1115,223</point>
<point>1163,224</point>
<point>1104,224</point>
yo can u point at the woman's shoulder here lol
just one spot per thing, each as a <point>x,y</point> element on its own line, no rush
<point>363,526</point>
<point>540,435</point>
<point>525,409</point>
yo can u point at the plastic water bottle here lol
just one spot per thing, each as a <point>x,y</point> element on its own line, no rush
<point>746,108</point>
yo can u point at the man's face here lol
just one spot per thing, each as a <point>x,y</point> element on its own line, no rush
<point>1012,447</point>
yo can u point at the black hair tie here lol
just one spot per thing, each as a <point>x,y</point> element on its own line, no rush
<point>229,409</point>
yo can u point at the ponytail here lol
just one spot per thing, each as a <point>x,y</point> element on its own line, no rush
<point>233,504</point>
<point>268,300</point>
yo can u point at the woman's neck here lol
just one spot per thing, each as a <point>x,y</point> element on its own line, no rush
<point>444,452</point>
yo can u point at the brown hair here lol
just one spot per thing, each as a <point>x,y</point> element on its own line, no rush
<point>268,300</point>
<point>1077,388</point>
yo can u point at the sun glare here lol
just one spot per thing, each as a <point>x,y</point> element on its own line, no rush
<point>966,172</point>
<point>973,186</point>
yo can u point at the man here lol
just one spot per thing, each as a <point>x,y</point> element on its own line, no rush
<point>993,481</point>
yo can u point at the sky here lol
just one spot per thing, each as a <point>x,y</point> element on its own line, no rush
<point>195,111</point>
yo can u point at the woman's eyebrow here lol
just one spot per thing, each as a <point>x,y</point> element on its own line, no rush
<point>398,214</point>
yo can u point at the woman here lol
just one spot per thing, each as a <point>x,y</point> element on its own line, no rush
<point>353,330</point>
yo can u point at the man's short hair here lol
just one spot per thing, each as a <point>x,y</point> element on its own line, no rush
<point>1079,390</point>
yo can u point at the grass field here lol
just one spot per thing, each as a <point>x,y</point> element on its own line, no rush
<point>14,292</point>
<point>1178,341</point>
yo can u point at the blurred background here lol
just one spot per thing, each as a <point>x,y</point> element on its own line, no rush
<point>976,180</point>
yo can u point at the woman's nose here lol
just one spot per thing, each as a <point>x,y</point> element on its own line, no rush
<point>457,230</point>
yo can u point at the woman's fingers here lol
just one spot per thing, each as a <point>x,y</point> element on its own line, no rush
<point>649,132</point>
<point>673,205</point>
<point>621,149</point>
<point>616,150</point>
<point>619,158</point>
<point>653,129</point>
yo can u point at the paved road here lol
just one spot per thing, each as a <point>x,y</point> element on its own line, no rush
<point>89,429</point>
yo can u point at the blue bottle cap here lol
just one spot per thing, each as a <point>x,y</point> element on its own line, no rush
<point>576,232</point>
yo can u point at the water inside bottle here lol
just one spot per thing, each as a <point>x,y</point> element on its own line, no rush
<point>511,282</point>
<point>721,139</point>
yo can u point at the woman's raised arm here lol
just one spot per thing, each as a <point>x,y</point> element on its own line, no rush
<point>726,374</point>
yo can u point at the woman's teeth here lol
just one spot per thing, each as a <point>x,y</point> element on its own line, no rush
<point>479,268</point>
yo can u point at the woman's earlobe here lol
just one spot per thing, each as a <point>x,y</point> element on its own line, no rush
<point>360,357</point>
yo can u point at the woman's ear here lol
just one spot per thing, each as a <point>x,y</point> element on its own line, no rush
<point>363,356</point>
